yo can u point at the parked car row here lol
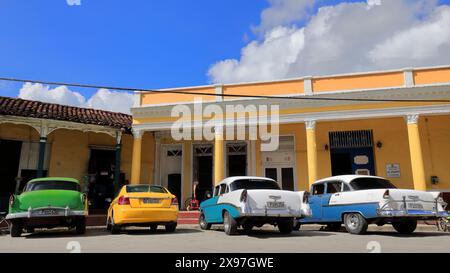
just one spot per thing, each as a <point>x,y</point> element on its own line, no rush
<point>352,200</point>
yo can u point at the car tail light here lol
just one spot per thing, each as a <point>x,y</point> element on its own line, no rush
<point>306,197</point>
<point>123,200</point>
<point>11,200</point>
<point>386,194</point>
<point>244,196</point>
<point>174,201</point>
<point>440,198</point>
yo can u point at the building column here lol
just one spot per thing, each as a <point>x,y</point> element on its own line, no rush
<point>156,164</point>
<point>136,159</point>
<point>219,158</point>
<point>311,150</point>
<point>42,146</point>
<point>415,149</point>
<point>117,161</point>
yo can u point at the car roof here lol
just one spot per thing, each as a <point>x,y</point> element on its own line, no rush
<point>66,179</point>
<point>345,178</point>
<point>230,180</point>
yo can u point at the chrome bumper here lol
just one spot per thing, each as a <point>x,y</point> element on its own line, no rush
<point>46,212</point>
<point>386,211</point>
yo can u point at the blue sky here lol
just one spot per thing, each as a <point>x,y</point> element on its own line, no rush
<point>167,43</point>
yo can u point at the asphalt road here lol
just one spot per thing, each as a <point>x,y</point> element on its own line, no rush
<point>191,239</point>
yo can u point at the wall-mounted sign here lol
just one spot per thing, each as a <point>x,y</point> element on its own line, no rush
<point>393,170</point>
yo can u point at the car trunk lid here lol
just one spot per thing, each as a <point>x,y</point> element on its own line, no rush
<point>150,200</point>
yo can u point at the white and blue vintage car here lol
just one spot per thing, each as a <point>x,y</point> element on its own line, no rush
<point>357,201</point>
<point>252,201</point>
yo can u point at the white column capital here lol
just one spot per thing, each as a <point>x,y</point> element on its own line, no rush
<point>412,118</point>
<point>118,137</point>
<point>137,134</point>
<point>310,124</point>
<point>43,131</point>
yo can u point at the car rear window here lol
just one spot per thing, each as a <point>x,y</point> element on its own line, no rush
<point>254,184</point>
<point>53,185</point>
<point>371,183</point>
<point>146,188</point>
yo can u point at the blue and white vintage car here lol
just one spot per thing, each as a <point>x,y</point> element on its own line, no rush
<point>357,201</point>
<point>252,201</point>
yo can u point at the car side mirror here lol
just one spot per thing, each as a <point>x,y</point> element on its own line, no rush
<point>208,194</point>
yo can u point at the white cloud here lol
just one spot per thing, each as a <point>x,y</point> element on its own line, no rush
<point>347,37</point>
<point>103,99</point>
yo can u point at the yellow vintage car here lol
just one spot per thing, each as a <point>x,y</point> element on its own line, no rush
<point>143,205</point>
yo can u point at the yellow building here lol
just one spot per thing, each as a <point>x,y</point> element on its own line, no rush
<point>42,139</point>
<point>368,123</point>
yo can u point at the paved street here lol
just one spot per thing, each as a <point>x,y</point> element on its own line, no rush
<point>191,239</point>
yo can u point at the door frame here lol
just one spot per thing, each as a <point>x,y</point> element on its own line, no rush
<point>162,170</point>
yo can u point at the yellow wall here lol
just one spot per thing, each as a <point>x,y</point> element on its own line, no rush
<point>435,139</point>
<point>147,159</point>
<point>162,98</point>
<point>265,89</point>
<point>429,76</point>
<point>18,132</point>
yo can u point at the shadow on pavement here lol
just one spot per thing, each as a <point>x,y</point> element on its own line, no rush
<point>267,233</point>
<point>59,233</point>
<point>158,232</point>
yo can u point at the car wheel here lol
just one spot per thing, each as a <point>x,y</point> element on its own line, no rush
<point>286,226</point>
<point>229,224</point>
<point>16,228</point>
<point>202,222</point>
<point>171,227</point>
<point>355,223</point>
<point>247,227</point>
<point>81,226</point>
<point>297,225</point>
<point>405,227</point>
<point>334,226</point>
<point>108,225</point>
<point>115,229</point>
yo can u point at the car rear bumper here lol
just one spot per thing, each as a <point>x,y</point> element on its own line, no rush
<point>421,214</point>
<point>127,216</point>
<point>58,213</point>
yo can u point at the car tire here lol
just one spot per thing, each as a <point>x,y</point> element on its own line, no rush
<point>286,226</point>
<point>355,223</point>
<point>16,228</point>
<point>334,226</point>
<point>171,227</point>
<point>297,225</point>
<point>229,224</point>
<point>247,227</point>
<point>405,227</point>
<point>115,229</point>
<point>81,226</point>
<point>108,225</point>
<point>202,222</point>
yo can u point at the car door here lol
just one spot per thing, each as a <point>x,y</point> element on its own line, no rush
<point>331,212</point>
<point>209,206</point>
<point>315,202</point>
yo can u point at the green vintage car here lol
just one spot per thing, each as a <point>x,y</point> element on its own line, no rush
<point>48,203</point>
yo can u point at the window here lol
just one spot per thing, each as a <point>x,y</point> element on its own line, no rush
<point>254,184</point>
<point>318,189</point>
<point>146,188</point>
<point>216,191</point>
<point>223,188</point>
<point>334,187</point>
<point>369,183</point>
<point>346,187</point>
<point>52,185</point>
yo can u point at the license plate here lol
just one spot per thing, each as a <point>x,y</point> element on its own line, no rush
<point>151,201</point>
<point>415,206</point>
<point>275,205</point>
<point>46,212</point>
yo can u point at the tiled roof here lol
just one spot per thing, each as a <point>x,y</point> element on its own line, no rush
<point>43,110</point>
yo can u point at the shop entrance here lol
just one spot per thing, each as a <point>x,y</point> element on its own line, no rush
<point>101,180</point>
<point>203,170</point>
<point>171,169</point>
<point>236,159</point>
<point>9,167</point>
<point>352,153</point>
